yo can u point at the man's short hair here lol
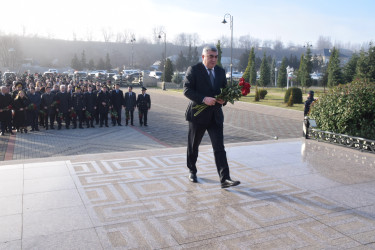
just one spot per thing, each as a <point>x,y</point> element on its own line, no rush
<point>208,48</point>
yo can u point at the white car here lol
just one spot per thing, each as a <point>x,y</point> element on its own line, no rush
<point>235,74</point>
<point>156,74</point>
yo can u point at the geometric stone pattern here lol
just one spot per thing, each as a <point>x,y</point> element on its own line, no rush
<point>147,202</point>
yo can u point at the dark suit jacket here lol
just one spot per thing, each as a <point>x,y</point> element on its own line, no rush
<point>144,102</point>
<point>197,85</point>
<point>130,102</point>
<point>117,99</point>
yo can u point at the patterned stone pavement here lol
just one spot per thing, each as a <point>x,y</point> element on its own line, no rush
<point>294,194</point>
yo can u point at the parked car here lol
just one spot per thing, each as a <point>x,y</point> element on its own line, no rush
<point>156,74</point>
<point>53,71</point>
<point>133,76</point>
<point>235,74</point>
<point>80,75</point>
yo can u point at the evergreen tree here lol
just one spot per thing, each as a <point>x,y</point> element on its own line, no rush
<point>301,70</point>
<point>101,64</point>
<point>273,73</point>
<point>371,62</point>
<point>181,62</point>
<point>219,52</point>
<point>362,66</point>
<point>334,69</point>
<point>91,65</point>
<point>253,75</point>
<point>349,70</point>
<point>243,61</point>
<point>265,74</point>
<point>282,77</point>
<point>189,56</point>
<point>250,62</point>
<point>195,56</point>
<point>168,71</point>
<point>83,60</point>
<point>75,64</point>
<point>108,65</point>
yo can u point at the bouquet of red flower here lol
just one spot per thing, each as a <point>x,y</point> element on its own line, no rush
<point>230,93</point>
<point>114,114</point>
<point>8,108</point>
<point>32,107</point>
<point>88,115</point>
<point>73,113</point>
<point>61,116</point>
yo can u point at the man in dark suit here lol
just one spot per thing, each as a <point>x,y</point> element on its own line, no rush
<point>90,101</point>
<point>6,103</point>
<point>144,105</point>
<point>103,102</point>
<point>64,105</point>
<point>117,100</point>
<point>130,102</point>
<point>203,82</point>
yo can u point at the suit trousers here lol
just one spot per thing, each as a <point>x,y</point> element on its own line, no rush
<point>196,133</point>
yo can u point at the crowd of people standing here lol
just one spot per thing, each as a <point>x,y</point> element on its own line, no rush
<point>38,102</point>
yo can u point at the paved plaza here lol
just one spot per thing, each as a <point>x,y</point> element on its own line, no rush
<point>127,187</point>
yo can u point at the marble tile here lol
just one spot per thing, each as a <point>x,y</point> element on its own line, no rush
<point>46,172</point>
<point>48,184</point>
<point>10,205</point>
<point>15,174</point>
<point>55,221</point>
<point>348,195</point>
<point>45,164</point>
<point>78,239</point>
<point>11,187</point>
<point>14,245</point>
<point>140,234</point>
<point>312,182</point>
<point>11,227</point>
<point>51,200</point>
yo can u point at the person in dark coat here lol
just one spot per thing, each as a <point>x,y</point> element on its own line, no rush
<point>64,105</point>
<point>103,102</point>
<point>47,105</point>
<point>310,99</point>
<point>6,106</point>
<point>203,82</point>
<point>90,102</point>
<point>144,105</point>
<point>79,107</point>
<point>21,102</point>
<point>130,103</point>
<point>33,110</point>
<point>117,100</point>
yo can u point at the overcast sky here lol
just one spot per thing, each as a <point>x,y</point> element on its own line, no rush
<point>295,21</point>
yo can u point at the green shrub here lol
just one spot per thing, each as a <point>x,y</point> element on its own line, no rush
<point>257,96</point>
<point>262,93</point>
<point>177,78</point>
<point>290,101</point>
<point>297,95</point>
<point>347,109</point>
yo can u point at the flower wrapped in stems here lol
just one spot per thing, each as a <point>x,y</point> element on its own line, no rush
<point>8,108</point>
<point>114,114</point>
<point>32,107</point>
<point>230,93</point>
<point>73,113</point>
<point>88,115</point>
<point>60,116</point>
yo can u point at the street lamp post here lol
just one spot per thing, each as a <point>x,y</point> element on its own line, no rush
<point>275,76</point>
<point>165,54</point>
<point>132,41</point>
<point>231,43</point>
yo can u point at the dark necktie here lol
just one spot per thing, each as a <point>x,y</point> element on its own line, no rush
<point>211,77</point>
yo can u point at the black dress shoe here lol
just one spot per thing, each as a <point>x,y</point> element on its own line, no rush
<point>229,183</point>
<point>193,178</point>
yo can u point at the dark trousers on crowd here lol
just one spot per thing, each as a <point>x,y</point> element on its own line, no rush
<point>66,117</point>
<point>90,119</point>
<point>129,116</point>
<point>51,116</point>
<point>6,125</point>
<point>196,133</point>
<point>97,116</point>
<point>118,120</point>
<point>33,116</point>
<point>103,117</point>
<point>143,117</point>
<point>79,116</point>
